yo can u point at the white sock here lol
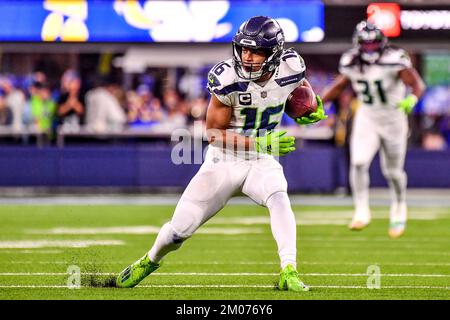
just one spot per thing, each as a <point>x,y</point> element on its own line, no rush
<point>359,181</point>
<point>398,212</point>
<point>397,186</point>
<point>166,241</point>
<point>284,228</point>
<point>288,256</point>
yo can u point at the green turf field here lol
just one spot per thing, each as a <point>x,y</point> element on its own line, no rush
<point>233,256</point>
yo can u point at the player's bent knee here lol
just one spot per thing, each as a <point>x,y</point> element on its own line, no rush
<point>273,184</point>
<point>393,174</point>
<point>277,196</point>
<point>360,167</point>
<point>280,197</point>
<point>187,218</point>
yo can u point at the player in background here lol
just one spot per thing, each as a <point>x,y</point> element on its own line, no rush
<point>380,75</point>
<point>248,93</point>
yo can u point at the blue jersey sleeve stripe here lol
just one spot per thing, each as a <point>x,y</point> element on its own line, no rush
<point>290,79</point>
<point>237,86</point>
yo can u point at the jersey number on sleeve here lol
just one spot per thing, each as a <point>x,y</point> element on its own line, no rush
<point>251,117</point>
<point>220,68</point>
<point>368,93</point>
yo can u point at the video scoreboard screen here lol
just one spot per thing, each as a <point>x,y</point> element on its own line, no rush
<point>152,21</point>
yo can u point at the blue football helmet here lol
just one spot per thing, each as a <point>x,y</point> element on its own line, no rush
<point>258,33</point>
<point>369,40</point>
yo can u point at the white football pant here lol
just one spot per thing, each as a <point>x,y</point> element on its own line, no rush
<point>373,131</point>
<point>220,177</point>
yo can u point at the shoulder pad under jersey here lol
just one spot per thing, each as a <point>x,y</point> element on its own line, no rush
<point>348,59</point>
<point>291,70</point>
<point>395,57</point>
<point>223,80</point>
<point>293,60</point>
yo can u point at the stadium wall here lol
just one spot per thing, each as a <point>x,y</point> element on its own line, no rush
<point>134,167</point>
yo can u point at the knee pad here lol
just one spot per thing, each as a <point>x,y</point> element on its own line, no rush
<point>360,167</point>
<point>393,174</point>
<point>280,197</point>
<point>188,217</point>
<point>262,182</point>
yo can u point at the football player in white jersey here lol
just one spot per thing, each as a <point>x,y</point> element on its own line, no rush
<point>380,75</point>
<point>248,93</point>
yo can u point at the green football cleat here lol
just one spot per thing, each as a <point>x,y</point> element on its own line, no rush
<point>290,281</point>
<point>136,272</point>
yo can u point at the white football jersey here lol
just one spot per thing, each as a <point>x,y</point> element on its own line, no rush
<point>255,107</point>
<point>377,85</point>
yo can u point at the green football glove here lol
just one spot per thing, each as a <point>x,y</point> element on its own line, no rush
<point>275,143</point>
<point>315,116</point>
<point>407,104</point>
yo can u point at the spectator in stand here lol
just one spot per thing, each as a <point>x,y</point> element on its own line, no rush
<point>198,107</point>
<point>6,115</point>
<point>39,77</point>
<point>433,140</point>
<point>41,108</point>
<point>104,112</point>
<point>66,78</point>
<point>36,81</point>
<point>157,111</point>
<point>15,100</point>
<point>144,110</point>
<point>71,102</point>
<point>176,108</point>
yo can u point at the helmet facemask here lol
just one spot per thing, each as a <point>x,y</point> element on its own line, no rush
<point>258,33</point>
<point>254,71</point>
<point>370,41</point>
<point>370,50</point>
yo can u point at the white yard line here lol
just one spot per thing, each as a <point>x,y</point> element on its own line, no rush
<point>33,286</point>
<point>309,217</point>
<point>384,287</point>
<point>144,230</point>
<point>32,251</point>
<point>220,274</point>
<point>403,250</point>
<point>218,286</point>
<point>336,248</point>
<point>413,275</point>
<point>31,244</point>
<point>431,264</point>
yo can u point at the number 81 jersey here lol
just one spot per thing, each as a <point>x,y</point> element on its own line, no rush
<point>377,85</point>
<point>256,108</point>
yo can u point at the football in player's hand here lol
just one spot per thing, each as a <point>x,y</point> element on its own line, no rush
<point>301,102</point>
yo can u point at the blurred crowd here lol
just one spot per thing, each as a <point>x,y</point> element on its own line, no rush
<point>30,104</point>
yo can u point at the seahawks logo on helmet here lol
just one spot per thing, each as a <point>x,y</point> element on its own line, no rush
<point>258,33</point>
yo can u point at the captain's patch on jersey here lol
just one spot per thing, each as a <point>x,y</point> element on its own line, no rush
<point>245,99</point>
